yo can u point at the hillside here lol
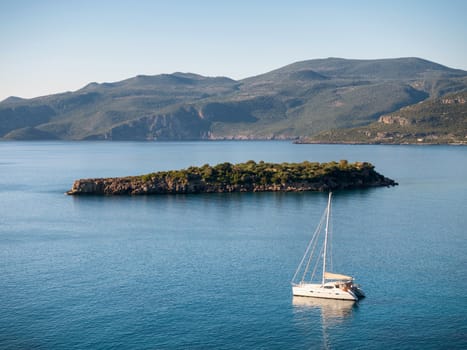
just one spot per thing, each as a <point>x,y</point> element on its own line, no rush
<point>296,101</point>
<point>436,121</point>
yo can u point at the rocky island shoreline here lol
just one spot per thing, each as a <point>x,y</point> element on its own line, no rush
<point>243,177</point>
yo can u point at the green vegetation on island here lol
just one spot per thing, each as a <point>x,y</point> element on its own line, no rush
<point>243,177</point>
<point>256,173</point>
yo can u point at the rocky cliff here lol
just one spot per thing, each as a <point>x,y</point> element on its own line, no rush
<point>245,177</point>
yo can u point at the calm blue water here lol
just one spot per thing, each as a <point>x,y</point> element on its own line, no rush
<point>213,271</point>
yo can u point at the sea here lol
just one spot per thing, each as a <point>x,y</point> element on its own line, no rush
<point>213,271</point>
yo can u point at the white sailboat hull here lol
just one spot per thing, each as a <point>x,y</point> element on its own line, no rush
<point>320,291</point>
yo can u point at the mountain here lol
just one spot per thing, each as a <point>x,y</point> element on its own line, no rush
<point>436,121</point>
<point>296,101</point>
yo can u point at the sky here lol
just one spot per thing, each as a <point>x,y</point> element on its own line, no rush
<point>52,46</point>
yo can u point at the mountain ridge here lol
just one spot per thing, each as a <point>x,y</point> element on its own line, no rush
<point>298,100</point>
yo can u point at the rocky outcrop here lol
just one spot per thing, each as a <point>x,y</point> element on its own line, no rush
<point>456,100</point>
<point>362,175</point>
<point>394,119</point>
<point>181,124</point>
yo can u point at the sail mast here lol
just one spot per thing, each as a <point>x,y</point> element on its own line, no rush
<point>326,236</point>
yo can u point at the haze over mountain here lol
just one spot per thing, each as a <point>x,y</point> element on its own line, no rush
<point>296,101</point>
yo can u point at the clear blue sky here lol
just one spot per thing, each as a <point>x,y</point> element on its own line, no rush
<point>50,46</point>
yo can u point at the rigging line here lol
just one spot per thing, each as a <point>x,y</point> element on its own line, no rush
<point>305,255</point>
<point>307,249</point>
<point>317,262</point>
<point>330,238</point>
<point>315,244</point>
<point>312,254</point>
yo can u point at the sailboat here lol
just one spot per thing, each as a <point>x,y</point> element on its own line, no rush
<point>332,285</point>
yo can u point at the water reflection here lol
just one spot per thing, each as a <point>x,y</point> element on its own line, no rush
<point>329,312</point>
<point>332,311</point>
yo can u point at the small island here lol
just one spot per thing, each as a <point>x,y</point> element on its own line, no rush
<point>243,177</point>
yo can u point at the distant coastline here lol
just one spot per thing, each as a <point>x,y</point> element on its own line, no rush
<point>378,143</point>
<point>242,177</point>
